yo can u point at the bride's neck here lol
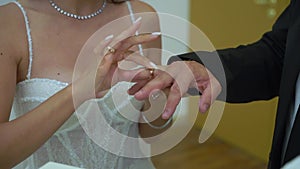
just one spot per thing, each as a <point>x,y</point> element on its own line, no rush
<point>79,7</point>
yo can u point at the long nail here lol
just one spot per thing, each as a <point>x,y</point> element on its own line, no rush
<point>153,65</point>
<point>109,37</point>
<point>205,108</point>
<point>156,33</point>
<point>137,20</point>
<point>165,115</point>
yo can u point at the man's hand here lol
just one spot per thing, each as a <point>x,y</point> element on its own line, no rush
<point>179,77</point>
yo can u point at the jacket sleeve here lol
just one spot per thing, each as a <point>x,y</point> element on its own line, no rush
<point>252,72</point>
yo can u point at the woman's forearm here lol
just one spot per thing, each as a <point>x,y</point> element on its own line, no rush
<point>24,135</point>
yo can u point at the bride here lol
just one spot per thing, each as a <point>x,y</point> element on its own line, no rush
<point>40,41</point>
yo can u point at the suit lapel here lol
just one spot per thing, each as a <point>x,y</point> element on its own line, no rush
<point>287,90</point>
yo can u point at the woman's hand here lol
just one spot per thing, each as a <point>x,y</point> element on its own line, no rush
<point>105,72</point>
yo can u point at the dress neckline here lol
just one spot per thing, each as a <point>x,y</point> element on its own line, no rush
<point>53,81</point>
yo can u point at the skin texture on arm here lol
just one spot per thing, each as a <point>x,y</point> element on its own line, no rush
<point>8,70</point>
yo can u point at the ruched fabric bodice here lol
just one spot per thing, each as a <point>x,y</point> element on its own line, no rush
<point>70,144</point>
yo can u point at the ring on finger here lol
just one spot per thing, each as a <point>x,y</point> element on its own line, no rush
<point>151,71</point>
<point>111,50</point>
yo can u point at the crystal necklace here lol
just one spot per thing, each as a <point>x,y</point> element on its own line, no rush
<point>79,17</point>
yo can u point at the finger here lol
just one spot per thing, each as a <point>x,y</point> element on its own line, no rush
<point>102,70</point>
<point>172,101</point>
<point>135,57</point>
<point>104,65</point>
<point>128,75</point>
<point>127,43</point>
<point>123,35</point>
<point>205,100</point>
<point>99,48</point>
<point>136,87</point>
<point>178,89</point>
<point>144,75</point>
<point>139,59</point>
<point>160,82</point>
<point>101,93</point>
<point>127,33</point>
<point>210,93</point>
<point>137,75</point>
<point>145,62</point>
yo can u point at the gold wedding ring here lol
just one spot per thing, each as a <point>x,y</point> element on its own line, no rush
<point>151,71</point>
<point>111,49</point>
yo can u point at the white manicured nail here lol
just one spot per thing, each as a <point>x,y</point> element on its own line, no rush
<point>109,37</point>
<point>156,33</point>
<point>138,19</point>
<point>153,65</point>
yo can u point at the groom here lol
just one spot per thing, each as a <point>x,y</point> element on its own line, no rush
<point>259,71</point>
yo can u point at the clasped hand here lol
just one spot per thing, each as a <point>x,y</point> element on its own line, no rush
<point>97,70</point>
<point>178,76</point>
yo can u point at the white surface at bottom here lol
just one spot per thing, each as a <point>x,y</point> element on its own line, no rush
<point>53,165</point>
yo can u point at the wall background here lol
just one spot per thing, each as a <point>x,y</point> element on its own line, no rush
<point>174,7</point>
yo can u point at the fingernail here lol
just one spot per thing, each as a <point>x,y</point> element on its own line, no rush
<point>138,19</point>
<point>109,37</point>
<point>153,65</point>
<point>206,107</point>
<point>156,33</point>
<point>165,115</point>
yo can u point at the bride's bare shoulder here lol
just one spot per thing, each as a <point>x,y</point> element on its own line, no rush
<point>11,19</point>
<point>13,31</point>
<point>9,13</point>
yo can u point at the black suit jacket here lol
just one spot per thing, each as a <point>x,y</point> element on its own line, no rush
<point>263,70</point>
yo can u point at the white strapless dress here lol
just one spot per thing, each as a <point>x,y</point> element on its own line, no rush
<point>70,144</point>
